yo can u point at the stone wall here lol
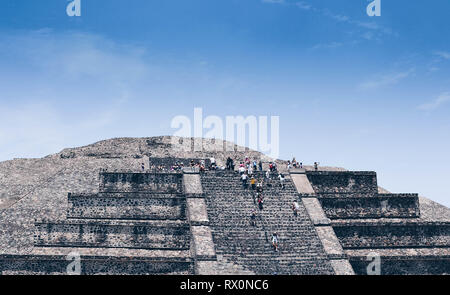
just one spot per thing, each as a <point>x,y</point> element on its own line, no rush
<point>136,224</point>
<point>393,235</point>
<point>405,265</point>
<point>141,182</point>
<point>380,206</point>
<point>329,182</point>
<point>142,235</point>
<point>126,206</point>
<point>57,265</point>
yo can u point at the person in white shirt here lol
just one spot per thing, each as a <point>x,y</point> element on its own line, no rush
<point>244,178</point>
<point>295,207</point>
<point>275,241</point>
<point>268,178</point>
<point>241,170</point>
<point>282,180</point>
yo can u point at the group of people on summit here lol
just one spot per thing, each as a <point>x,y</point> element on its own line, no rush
<point>247,166</point>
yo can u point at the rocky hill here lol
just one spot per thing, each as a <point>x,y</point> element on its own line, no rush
<point>20,177</point>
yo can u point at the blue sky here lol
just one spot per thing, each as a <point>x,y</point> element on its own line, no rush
<point>352,91</point>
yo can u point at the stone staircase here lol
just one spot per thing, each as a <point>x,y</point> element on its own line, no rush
<point>229,209</point>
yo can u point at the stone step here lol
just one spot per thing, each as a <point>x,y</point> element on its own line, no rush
<point>343,181</point>
<point>225,267</point>
<point>265,265</point>
<point>113,234</point>
<point>141,182</point>
<point>407,261</point>
<point>399,234</point>
<point>127,206</point>
<point>378,206</point>
<point>98,261</point>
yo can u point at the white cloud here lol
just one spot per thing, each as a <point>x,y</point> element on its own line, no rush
<point>385,80</point>
<point>367,25</point>
<point>371,30</point>
<point>368,30</point>
<point>436,103</point>
<point>303,5</point>
<point>327,45</point>
<point>368,35</point>
<point>432,69</point>
<point>336,17</point>
<point>77,54</point>
<point>442,54</point>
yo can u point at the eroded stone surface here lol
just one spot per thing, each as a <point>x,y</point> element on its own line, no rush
<point>198,214</point>
<point>379,206</point>
<point>315,211</point>
<point>329,240</point>
<point>206,268</point>
<point>192,184</point>
<point>302,184</point>
<point>203,243</point>
<point>342,267</point>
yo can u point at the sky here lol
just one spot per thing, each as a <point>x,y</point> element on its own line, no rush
<point>353,91</point>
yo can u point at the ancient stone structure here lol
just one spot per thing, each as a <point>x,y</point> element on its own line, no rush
<point>98,204</point>
<point>389,226</point>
